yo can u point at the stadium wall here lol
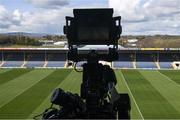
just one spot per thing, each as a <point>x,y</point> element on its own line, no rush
<point>57,56</point>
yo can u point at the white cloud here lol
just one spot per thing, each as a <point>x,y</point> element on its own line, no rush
<point>138,16</point>
<point>40,20</point>
<point>148,17</point>
<point>52,4</point>
<point>3,12</point>
<point>8,19</point>
<point>43,21</point>
<point>17,15</point>
<point>128,9</point>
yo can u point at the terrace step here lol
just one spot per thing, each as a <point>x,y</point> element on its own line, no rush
<point>56,64</point>
<point>134,65</point>
<point>3,62</point>
<point>22,66</point>
<point>66,64</point>
<point>113,65</point>
<point>174,66</point>
<point>157,64</point>
<point>45,64</point>
<point>122,64</point>
<point>166,65</point>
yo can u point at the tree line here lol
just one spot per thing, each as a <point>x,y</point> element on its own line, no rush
<point>18,40</point>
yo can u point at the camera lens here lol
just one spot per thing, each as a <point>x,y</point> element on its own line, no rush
<point>65,99</point>
<point>57,96</point>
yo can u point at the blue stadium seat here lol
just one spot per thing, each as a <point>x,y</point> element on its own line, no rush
<point>12,64</point>
<point>122,64</point>
<point>165,65</point>
<point>31,64</point>
<point>148,65</point>
<point>56,64</point>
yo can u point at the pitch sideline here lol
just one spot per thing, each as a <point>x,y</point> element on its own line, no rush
<point>132,95</point>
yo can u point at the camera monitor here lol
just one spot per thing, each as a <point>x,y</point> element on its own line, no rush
<point>93,27</point>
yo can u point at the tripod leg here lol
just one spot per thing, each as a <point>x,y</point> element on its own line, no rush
<point>123,106</point>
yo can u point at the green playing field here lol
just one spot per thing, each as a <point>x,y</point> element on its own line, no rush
<point>25,93</point>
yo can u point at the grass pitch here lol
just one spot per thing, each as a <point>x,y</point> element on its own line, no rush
<point>25,93</point>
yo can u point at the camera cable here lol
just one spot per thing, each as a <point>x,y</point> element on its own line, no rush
<point>45,112</point>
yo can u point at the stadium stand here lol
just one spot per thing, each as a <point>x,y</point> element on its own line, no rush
<point>35,56</point>
<point>164,57</point>
<point>146,65</point>
<point>32,64</point>
<point>145,57</point>
<point>34,59</point>
<point>57,64</point>
<point>12,59</point>
<point>165,65</point>
<point>126,57</point>
<point>165,61</point>
<point>125,61</point>
<point>13,56</point>
<point>12,64</point>
<point>146,61</point>
<point>56,56</point>
<point>0,58</point>
<point>56,59</point>
<point>123,64</point>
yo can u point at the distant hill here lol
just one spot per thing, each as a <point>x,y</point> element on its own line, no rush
<point>25,34</point>
<point>155,41</point>
<point>144,41</point>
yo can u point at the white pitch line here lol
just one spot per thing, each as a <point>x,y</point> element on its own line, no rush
<point>168,78</point>
<point>132,96</point>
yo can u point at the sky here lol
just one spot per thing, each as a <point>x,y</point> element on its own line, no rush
<point>139,17</point>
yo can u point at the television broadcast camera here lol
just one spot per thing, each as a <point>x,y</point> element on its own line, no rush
<point>98,98</point>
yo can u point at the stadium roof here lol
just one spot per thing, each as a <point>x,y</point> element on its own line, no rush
<point>98,47</point>
<point>91,47</point>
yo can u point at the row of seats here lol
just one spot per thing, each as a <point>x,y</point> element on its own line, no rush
<point>147,65</point>
<point>56,64</point>
<point>12,64</point>
<point>33,57</point>
<point>32,64</point>
<point>116,64</point>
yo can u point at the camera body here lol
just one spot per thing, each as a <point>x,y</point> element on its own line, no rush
<point>98,98</point>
